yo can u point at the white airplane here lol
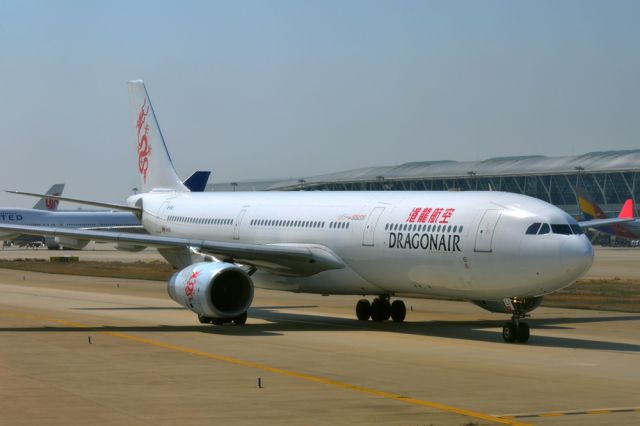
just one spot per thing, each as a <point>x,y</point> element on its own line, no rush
<point>502,251</point>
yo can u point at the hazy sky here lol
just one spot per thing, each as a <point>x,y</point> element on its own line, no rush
<point>295,88</point>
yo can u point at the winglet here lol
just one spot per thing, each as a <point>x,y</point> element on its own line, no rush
<point>627,210</point>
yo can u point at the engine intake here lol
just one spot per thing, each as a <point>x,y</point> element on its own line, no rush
<point>212,289</point>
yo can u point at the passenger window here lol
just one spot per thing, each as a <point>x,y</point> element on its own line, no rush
<point>460,229</point>
<point>533,228</point>
<point>544,229</point>
<point>455,229</point>
<point>577,229</point>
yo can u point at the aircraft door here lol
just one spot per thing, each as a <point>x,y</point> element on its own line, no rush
<point>368,235</point>
<point>484,235</point>
<point>238,222</point>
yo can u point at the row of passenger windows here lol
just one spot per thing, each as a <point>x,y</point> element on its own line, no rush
<point>201,220</point>
<point>422,228</point>
<point>288,223</point>
<point>563,229</point>
<point>299,223</point>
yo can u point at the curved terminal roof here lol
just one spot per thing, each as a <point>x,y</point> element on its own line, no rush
<point>598,162</point>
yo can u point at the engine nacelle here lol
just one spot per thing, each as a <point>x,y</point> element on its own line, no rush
<point>507,306</point>
<point>212,289</point>
<point>72,243</point>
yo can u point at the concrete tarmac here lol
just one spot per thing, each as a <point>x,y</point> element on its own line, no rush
<point>78,350</point>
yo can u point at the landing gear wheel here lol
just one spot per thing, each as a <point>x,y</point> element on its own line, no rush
<point>363,309</point>
<point>523,332</point>
<point>509,332</point>
<point>204,320</point>
<point>398,311</point>
<point>218,321</point>
<point>240,319</point>
<point>380,309</point>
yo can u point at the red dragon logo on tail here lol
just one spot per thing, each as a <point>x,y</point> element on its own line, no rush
<point>144,149</point>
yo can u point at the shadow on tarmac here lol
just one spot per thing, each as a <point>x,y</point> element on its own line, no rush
<point>282,322</point>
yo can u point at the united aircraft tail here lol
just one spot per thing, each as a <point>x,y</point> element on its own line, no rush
<point>50,203</point>
<point>154,163</point>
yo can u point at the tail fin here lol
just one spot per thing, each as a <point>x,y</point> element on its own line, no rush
<point>197,182</point>
<point>589,208</point>
<point>50,203</point>
<point>627,210</point>
<point>154,163</point>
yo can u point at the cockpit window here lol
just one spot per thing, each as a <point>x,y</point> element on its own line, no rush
<point>561,229</point>
<point>576,229</point>
<point>533,229</point>
<point>544,229</point>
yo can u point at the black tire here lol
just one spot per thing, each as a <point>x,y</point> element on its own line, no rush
<point>219,321</point>
<point>398,311</point>
<point>523,332</point>
<point>363,310</point>
<point>240,319</point>
<point>204,320</point>
<point>378,310</point>
<point>509,332</point>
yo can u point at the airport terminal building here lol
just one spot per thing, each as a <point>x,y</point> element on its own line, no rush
<point>609,178</point>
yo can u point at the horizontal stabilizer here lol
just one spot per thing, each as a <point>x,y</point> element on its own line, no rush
<point>121,207</point>
<point>197,182</point>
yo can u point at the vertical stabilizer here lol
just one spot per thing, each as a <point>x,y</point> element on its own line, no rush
<point>627,210</point>
<point>154,163</point>
<point>50,203</point>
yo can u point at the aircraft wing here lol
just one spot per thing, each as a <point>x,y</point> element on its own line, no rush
<point>284,259</point>
<point>596,223</point>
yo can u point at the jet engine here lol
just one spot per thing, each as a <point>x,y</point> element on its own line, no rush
<point>509,305</point>
<point>71,243</point>
<point>212,289</point>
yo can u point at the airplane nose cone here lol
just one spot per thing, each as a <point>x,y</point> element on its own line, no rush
<point>577,256</point>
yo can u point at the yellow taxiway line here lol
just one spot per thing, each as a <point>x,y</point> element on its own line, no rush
<point>281,371</point>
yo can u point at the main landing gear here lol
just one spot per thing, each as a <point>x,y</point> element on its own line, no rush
<point>239,320</point>
<point>381,309</point>
<point>516,330</point>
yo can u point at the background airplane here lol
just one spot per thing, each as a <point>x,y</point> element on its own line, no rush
<point>105,220</point>
<point>595,217</point>
<point>9,215</point>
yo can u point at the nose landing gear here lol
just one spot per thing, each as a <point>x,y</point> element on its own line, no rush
<point>381,309</point>
<point>516,330</point>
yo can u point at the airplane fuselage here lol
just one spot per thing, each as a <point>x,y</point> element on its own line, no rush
<point>471,245</point>
<point>64,219</point>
